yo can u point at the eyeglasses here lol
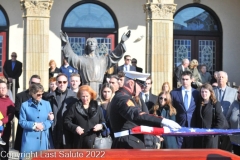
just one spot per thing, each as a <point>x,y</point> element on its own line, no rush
<point>60,82</point>
<point>128,59</point>
<point>13,56</point>
<point>39,95</point>
<point>161,98</point>
<point>3,88</point>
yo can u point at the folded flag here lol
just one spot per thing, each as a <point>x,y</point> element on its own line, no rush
<point>184,131</point>
<point>147,130</point>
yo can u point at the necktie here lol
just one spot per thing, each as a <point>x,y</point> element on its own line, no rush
<point>186,100</point>
<point>220,95</point>
<point>126,68</point>
<point>146,97</point>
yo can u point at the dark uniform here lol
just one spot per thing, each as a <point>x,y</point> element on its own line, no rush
<point>124,115</point>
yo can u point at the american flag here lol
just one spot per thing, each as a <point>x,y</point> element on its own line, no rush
<point>184,131</point>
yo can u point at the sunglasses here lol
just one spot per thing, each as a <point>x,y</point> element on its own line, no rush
<point>161,98</point>
<point>60,82</point>
<point>13,56</point>
<point>39,95</point>
<point>134,62</point>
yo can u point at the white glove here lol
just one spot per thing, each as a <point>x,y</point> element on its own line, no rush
<point>166,130</point>
<point>171,124</point>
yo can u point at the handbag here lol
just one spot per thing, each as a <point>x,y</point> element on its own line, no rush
<point>101,142</point>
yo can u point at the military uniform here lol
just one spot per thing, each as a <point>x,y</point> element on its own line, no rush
<point>124,115</point>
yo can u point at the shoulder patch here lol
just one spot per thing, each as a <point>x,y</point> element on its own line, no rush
<point>130,103</point>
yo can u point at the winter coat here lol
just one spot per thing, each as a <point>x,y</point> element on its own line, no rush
<point>59,133</point>
<point>30,113</point>
<point>78,116</point>
<point>169,141</point>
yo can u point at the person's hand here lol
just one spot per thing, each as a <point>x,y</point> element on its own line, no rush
<point>171,124</point>
<point>98,127</point>
<point>79,130</point>
<point>1,123</point>
<point>10,79</point>
<point>51,116</point>
<point>39,126</point>
<point>125,36</point>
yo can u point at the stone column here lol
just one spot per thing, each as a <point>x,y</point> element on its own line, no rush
<point>159,42</point>
<point>36,14</point>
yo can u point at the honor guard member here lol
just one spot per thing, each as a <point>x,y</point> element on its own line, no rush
<point>125,114</point>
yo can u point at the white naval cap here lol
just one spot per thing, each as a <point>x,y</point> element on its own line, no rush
<point>137,76</point>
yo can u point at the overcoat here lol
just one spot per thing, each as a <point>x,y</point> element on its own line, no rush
<point>30,113</point>
<point>86,119</point>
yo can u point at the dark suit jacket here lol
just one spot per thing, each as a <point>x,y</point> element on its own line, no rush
<point>15,73</point>
<point>120,68</point>
<point>185,118</point>
<point>138,69</point>
<point>152,101</point>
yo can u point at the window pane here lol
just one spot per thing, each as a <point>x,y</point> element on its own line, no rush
<point>207,54</point>
<point>182,49</point>
<point>89,15</point>
<point>3,21</point>
<point>196,19</point>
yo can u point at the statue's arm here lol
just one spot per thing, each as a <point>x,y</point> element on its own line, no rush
<point>119,51</point>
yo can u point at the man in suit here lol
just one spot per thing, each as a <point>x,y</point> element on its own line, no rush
<point>185,99</point>
<point>12,69</point>
<point>226,95</point>
<point>126,66</point>
<point>149,98</point>
<point>60,101</point>
<point>134,63</point>
<point>178,72</point>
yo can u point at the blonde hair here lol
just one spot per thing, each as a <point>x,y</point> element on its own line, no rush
<point>193,63</point>
<point>3,79</point>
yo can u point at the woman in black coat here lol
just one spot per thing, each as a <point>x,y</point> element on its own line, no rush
<point>165,109</point>
<point>209,115</point>
<point>84,119</point>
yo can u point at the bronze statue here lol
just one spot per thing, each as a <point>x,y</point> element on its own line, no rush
<point>91,66</point>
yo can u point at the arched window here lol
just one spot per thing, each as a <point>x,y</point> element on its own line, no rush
<point>4,26</point>
<point>198,35</point>
<point>91,19</point>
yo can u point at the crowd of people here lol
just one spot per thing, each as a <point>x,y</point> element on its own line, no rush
<point>70,115</point>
